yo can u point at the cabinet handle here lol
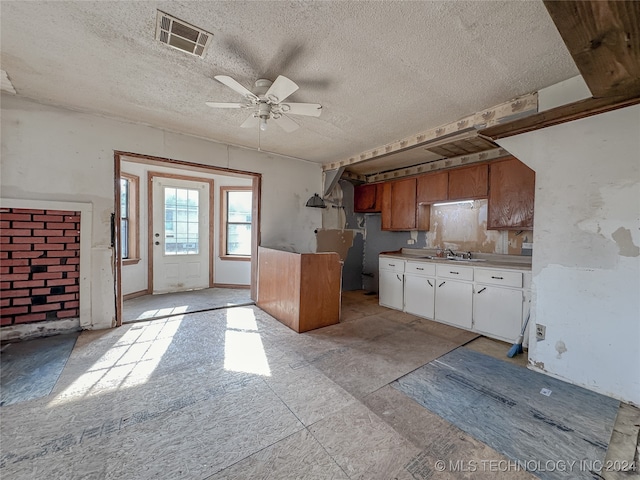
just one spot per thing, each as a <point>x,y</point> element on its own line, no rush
<point>482,290</point>
<point>455,273</point>
<point>498,278</point>
<point>430,284</point>
<point>392,264</point>
<point>419,268</point>
<point>441,284</point>
<point>398,277</point>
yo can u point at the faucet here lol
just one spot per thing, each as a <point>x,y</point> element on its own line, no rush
<point>467,255</point>
<point>450,252</point>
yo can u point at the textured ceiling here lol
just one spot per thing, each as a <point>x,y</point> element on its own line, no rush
<point>382,70</point>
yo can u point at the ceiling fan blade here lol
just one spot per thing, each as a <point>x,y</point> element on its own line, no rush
<point>310,109</point>
<point>251,122</point>
<point>225,105</point>
<point>281,89</point>
<point>234,85</point>
<point>286,123</point>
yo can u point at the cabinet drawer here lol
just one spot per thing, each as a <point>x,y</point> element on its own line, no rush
<point>455,271</point>
<point>506,278</point>
<point>421,268</point>
<point>393,264</point>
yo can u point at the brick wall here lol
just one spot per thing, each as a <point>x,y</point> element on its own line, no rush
<point>39,265</point>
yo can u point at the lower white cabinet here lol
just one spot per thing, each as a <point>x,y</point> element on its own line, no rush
<point>419,295</point>
<point>454,302</point>
<point>391,289</point>
<point>497,311</point>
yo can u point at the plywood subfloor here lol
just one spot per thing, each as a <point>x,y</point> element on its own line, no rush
<point>501,405</point>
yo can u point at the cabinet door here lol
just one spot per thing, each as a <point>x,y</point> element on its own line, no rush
<point>497,312</point>
<point>433,187</point>
<point>511,195</point>
<point>399,205</point>
<point>454,302</point>
<point>419,295</point>
<point>468,183</point>
<point>367,198</point>
<point>390,290</point>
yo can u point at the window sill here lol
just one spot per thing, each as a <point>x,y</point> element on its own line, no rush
<point>235,257</point>
<point>130,261</point>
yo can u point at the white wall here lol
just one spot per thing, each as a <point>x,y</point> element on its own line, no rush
<point>586,259</point>
<point>50,153</point>
<point>134,277</point>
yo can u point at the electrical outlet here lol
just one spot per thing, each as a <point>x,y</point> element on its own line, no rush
<point>541,332</point>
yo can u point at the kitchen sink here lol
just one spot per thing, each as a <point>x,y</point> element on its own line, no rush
<point>468,259</point>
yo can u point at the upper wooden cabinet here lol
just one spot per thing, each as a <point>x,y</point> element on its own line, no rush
<point>511,195</point>
<point>399,205</point>
<point>433,187</point>
<point>367,198</point>
<point>468,183</point>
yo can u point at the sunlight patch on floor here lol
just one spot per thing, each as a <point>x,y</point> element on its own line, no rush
<point>129,362</point>
<point>243,349</point>
<point>163,312</point>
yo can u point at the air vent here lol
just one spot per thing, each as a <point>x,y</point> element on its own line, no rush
<point>181,35</point>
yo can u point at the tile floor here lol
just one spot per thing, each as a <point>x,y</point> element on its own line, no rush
<point>235,394</point>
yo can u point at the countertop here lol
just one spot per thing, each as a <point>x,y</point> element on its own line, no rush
<point>483,260</point>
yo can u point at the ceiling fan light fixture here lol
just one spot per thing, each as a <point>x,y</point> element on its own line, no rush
<point>263,123</point>
<point>316,202</point>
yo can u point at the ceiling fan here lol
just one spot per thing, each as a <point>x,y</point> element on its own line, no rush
<point>266,102</point>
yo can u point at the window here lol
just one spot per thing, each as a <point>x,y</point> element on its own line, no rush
<point>129,208</point>
<point>236,222</point>
<point>181,221</point>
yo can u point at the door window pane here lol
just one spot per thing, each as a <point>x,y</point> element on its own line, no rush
<point>181,213</point>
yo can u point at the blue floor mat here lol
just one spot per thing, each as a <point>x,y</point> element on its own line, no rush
<point>30,369</point>
<point>501,405</point>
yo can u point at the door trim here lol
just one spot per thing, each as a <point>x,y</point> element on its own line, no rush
<point>150,176</point>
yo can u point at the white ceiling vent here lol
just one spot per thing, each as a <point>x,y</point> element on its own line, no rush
<point>181,35</point>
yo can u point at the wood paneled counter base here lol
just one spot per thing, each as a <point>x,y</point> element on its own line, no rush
<point>301,290</point>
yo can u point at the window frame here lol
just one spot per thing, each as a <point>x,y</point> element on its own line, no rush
<point>222,254</point>
<point>133,203</point>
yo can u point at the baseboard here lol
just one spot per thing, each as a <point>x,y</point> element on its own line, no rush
<point>141,293</point>
<point>231,285</point>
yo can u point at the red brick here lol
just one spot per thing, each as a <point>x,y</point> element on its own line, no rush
<point>59,212</point>
<point>28,210</point>
<point>6,239</point>
<point>15,263</point>
<point>13,277</point>
<point>72,288</point>
<point>67,313</point>
<point>28,225</point>
<point>67,297</point>
<point>62,268</point>
<point>5,270</point>
<point>48,233</point>
<point>5,286</point>
<point>28,239</point>
<point>61,253</point>
<point>45,261</point>
<point>4,255</point>
<point>72,218</point>
<point>47,218</point>
<point>48,246</point>
<point>74,304</point>
<point>16,232</point>
<point>14,310</point>
<point>21,269</point>
<point>13,248</point>
<point>20,217</point>
<point>29,284</point>
<point>13,293</point>
<point>41,291</point>
<point>73,261</point>
<point>45,308</point>
<point>6,321</point>
<point>56,226</point>
<point>73,246</point>
<point>4,224</point>
<point>63,281</point>
<point>47,275</point>
<point>72,233</point>
<point>21,301</point>
<point>26,254</point>
<point>5,302</point>
<point>33,317</point>
<point>62,240</point>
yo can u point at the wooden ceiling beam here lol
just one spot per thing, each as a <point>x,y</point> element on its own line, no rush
<point>603,37</point>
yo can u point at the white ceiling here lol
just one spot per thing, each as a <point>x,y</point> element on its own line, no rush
<point>382,70</point>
